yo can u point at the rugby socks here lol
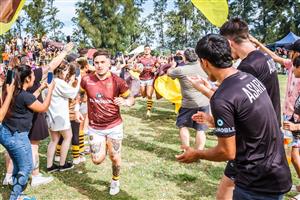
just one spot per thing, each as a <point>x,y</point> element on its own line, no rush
<point>57,153</point>
<point>75,151</point>
<point>116,172</point>
<point>149,104</point>
<point>115,178</point>
<point>81,141</point>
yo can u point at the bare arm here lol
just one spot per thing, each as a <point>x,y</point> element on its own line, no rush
<point>57,60</point>
<point>274,56</point>
<point>202,86</point>
<point>132,58</point>
<point>39,90</point>
<point>4,108</point>
<point>42,107</point>
<point>225,150</point>
<point>125,101</point>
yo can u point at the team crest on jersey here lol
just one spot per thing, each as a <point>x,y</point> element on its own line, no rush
<point>98,96</point>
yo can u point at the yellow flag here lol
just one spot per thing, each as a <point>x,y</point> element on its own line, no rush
<point>169,89</point>
<point>216,11</point>
<point>9,12</point>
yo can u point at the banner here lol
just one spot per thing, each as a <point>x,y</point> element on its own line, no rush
<point>9,12</point>
<point>169,89</point>
<point>216,11</point>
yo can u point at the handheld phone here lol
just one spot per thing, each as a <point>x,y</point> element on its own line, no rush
<point>9,76</point>
<point>77,72</point>
<point>68,38</point>
<point>49,77</point>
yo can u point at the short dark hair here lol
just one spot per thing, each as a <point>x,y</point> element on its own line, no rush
<point>82,52</point>
<point>216,49</point>
<point>190,55</point>
<point>296,62</point>
<point>236,29</point>
<point>102,52</point>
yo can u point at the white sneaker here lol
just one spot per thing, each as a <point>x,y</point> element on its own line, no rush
<point>148,114</point>
<point>40,180</point>
<point>56,158</point>
<point>8,180</point>
<point>79,160</point>
<point>114,187</point>
<point>297,197</point>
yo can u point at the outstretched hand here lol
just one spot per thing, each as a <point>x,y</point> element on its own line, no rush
<point>203,118</point>
<point>189,155</point>
<point>200,84</point>
<point>69,47</point>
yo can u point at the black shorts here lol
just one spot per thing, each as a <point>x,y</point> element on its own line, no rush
<point>39,130</point>
<point>184,118</point>
<point>230,170</point>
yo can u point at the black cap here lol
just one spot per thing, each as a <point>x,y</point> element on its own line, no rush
<point>72,57</point>
<point>294,47</point>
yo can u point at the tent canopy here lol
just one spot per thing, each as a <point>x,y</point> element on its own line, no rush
<point>288,39</point>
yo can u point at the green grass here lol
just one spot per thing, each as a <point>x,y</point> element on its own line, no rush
<point>149,169</point>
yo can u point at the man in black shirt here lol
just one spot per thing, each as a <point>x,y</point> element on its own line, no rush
<point>246,126</point>
<point>260,66</point>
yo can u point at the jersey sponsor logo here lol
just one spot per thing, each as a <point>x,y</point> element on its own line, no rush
<point>220,122</point>
<point>101,101</point>
<point>271,65</point>
<point>225,130</point>
<point>253,90</point>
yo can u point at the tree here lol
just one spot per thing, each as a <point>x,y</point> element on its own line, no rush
<point>158,17</point>
<point>147,33</point>
<point>109,24</point>
<point>36,17</point>
<point>53,25</point>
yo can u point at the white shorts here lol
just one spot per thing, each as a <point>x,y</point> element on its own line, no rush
<point>146,82</point>
<point>115,133</point>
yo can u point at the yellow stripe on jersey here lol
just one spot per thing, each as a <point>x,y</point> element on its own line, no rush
<point>125,94</point>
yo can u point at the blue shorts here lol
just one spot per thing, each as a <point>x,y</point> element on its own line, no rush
<point>184,118</point>
<point>244,194</point>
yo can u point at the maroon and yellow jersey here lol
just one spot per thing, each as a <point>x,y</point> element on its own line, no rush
<point>102,112</point>
<point>148,63</point>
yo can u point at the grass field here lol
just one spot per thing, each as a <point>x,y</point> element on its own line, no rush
<point>149,169</point>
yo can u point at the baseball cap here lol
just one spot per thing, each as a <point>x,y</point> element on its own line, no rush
<point>72,57</point>
<point>294,47</point>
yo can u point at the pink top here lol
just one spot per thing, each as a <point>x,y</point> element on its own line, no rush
<point>292,89</point>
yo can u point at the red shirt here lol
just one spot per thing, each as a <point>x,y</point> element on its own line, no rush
<point>102,112</point>
<point>148,63</point>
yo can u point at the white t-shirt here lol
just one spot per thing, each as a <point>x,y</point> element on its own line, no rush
<point>58,111</point>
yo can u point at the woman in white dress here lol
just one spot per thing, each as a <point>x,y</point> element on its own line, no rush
<point>58,117</point>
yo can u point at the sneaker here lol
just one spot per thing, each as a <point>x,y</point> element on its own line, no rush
<point>8,180</point>
<point>53,168</point>
<point>40,180</point>
<point>24,197</point>
<point>114,187</point>
<point>297,197</point>
<point>78,160</point>
<point>66,167</point>
<point>56,158</point>
<point>148,114</point>
<point>295,188</point>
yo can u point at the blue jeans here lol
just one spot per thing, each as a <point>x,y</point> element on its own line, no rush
<point>19,149</point>
<point>243,194</point>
